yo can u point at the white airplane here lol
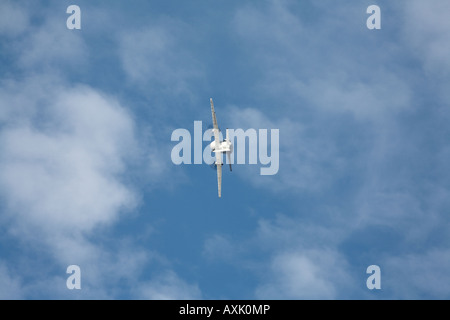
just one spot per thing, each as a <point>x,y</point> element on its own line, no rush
<point>218,148</point>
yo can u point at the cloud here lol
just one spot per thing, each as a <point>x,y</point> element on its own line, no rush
<point>291,258</point>
<point>64,168</point>
<point>302,157</point>
<point>300,230</point>
<point>362,124</point>
<point>218,247</point>
<point>50,46</point>
<point>10,285</point>
<point>310,274</point>
<point>305,261</point>
<point>251,22</point>
<point>363,132</point>
<point>156,58</point>
<point>13,19</point>
<point>73,162</point>
<point>169,286</point>
<point>63,157</point>
<point>364,100</point>
<point>321,70</point>
<point>329,88</point>
<point>61,165</point>
<point>418,275</point>
<point>426,30</point>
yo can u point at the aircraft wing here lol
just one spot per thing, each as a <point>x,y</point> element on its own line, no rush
<point>219,178</point>
<point>215,126</point>
<point>218,153</point>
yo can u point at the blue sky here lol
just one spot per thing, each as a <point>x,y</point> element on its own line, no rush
<point>86,176</point>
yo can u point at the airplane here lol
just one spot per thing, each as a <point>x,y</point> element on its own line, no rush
<point>219,147</point>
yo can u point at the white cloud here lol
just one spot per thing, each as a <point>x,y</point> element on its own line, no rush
<point>219,247</point>
<point>306,274</point>
<point>426,29</point>
<point>64,169</point>
<point>329,75</point>
<point>154,58</point>
<point>51,46</point>
<point>320,68</point>
<point>64,150</point>
<point>72,162</point>
<point>168,286</point>
<point>63,155</point>
<point>13,19</point>
<point>10,285</point>
<point>301,156</point>
<point>417,275</point>
<point>273,20</point>
<point>366,101</point>
<point>302,232</point>
<point>304,261</point>
<point>324,85</point>
<point>60,174</point>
